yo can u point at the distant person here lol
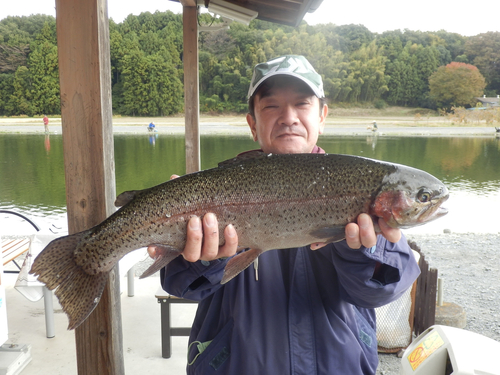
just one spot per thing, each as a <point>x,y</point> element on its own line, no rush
<point>373,127</point>
<point>46,123</point>
<point>151,126</point>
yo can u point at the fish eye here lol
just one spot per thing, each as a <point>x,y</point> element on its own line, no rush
<point>424,196</point>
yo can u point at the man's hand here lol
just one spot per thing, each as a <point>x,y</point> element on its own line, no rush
<point>202,240</point>
<point>363,233</point>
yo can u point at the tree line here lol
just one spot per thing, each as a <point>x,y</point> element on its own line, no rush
<point>358,66</point>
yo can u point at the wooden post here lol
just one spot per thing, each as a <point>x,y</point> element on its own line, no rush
<point>85,80</point>
<point>191,88</point>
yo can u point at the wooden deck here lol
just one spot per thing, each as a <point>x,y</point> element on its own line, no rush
<point>13,248</point>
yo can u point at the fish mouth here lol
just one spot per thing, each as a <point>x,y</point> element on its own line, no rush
<point>428,212</point>
<point>433,211</point>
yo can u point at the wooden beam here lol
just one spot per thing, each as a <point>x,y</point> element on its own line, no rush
<point>85,80</point>
<point>188,3</point>
<point>191,88</point>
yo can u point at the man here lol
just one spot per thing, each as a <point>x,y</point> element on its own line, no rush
<point>308,312</point>
<point>46,123</point>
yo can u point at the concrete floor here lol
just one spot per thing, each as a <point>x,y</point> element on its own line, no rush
<point>141,332</point>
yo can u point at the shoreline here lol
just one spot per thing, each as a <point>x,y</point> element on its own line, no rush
<point>237,126</point>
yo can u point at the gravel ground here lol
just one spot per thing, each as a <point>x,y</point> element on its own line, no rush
<point>469,265</point>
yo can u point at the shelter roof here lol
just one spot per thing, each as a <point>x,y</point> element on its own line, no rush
<point>491,101</point>
<point>285,12</point>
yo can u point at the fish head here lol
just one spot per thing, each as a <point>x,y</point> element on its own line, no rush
<point>410,197</point>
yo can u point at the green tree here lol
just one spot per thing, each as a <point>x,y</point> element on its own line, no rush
<point>133,77</point>
<point>448,44</point>
<point>21,31</point>
<point>428,60</point>
<point>454,43</point>
<point>483,51</point>
<point>353,37</point>
<point>409,74</point>
<point>44,69</point>
<point>151,86</point>
<point>331,64</point>
<point>403,79</point>
<point>11,57</point>
<point>366,78</point>
<point>19,102</point>
<point>392,42</point>
<point>145,60</point>
<point>456,84</point>
<point>6,91</point>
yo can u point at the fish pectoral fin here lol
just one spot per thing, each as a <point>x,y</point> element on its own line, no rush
<point>239,263</point>
<point>164,255</point>
<point>329,234</point>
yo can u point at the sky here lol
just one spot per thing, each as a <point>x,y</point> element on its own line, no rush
<point>378,16</point>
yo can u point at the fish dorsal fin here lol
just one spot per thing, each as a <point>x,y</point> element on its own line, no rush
<point>125,197</point>
<point>249,155</point>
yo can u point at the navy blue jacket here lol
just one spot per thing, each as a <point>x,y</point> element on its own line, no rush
<point>310,312</point>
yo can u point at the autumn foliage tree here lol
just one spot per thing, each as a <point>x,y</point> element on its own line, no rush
<point>456,84</point>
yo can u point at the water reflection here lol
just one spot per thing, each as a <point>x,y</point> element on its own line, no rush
<point>371,140</point>
<point>47,143</point>
<point>32,171</point>
<point>152,139</point>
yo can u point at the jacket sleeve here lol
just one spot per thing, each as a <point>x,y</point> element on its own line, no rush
<point>193,281</point>
<point>372,277</point>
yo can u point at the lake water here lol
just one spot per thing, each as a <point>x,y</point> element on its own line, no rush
<point>32,171</point>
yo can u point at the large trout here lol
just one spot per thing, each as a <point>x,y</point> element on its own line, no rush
<point>273,201</point>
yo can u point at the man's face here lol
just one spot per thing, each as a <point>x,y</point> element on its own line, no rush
<point>287,119</point>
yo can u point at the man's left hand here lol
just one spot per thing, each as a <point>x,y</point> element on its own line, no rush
<point>363,233</point>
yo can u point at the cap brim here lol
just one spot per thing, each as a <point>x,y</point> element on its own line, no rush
<point>313,87</point>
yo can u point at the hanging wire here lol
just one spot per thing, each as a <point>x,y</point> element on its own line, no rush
<point>198,18</point>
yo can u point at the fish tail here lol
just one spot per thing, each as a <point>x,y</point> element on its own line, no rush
<point>77,291</point>
<point>164,255</point>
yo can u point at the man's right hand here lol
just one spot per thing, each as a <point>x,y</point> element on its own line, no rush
<point>202,240</point>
